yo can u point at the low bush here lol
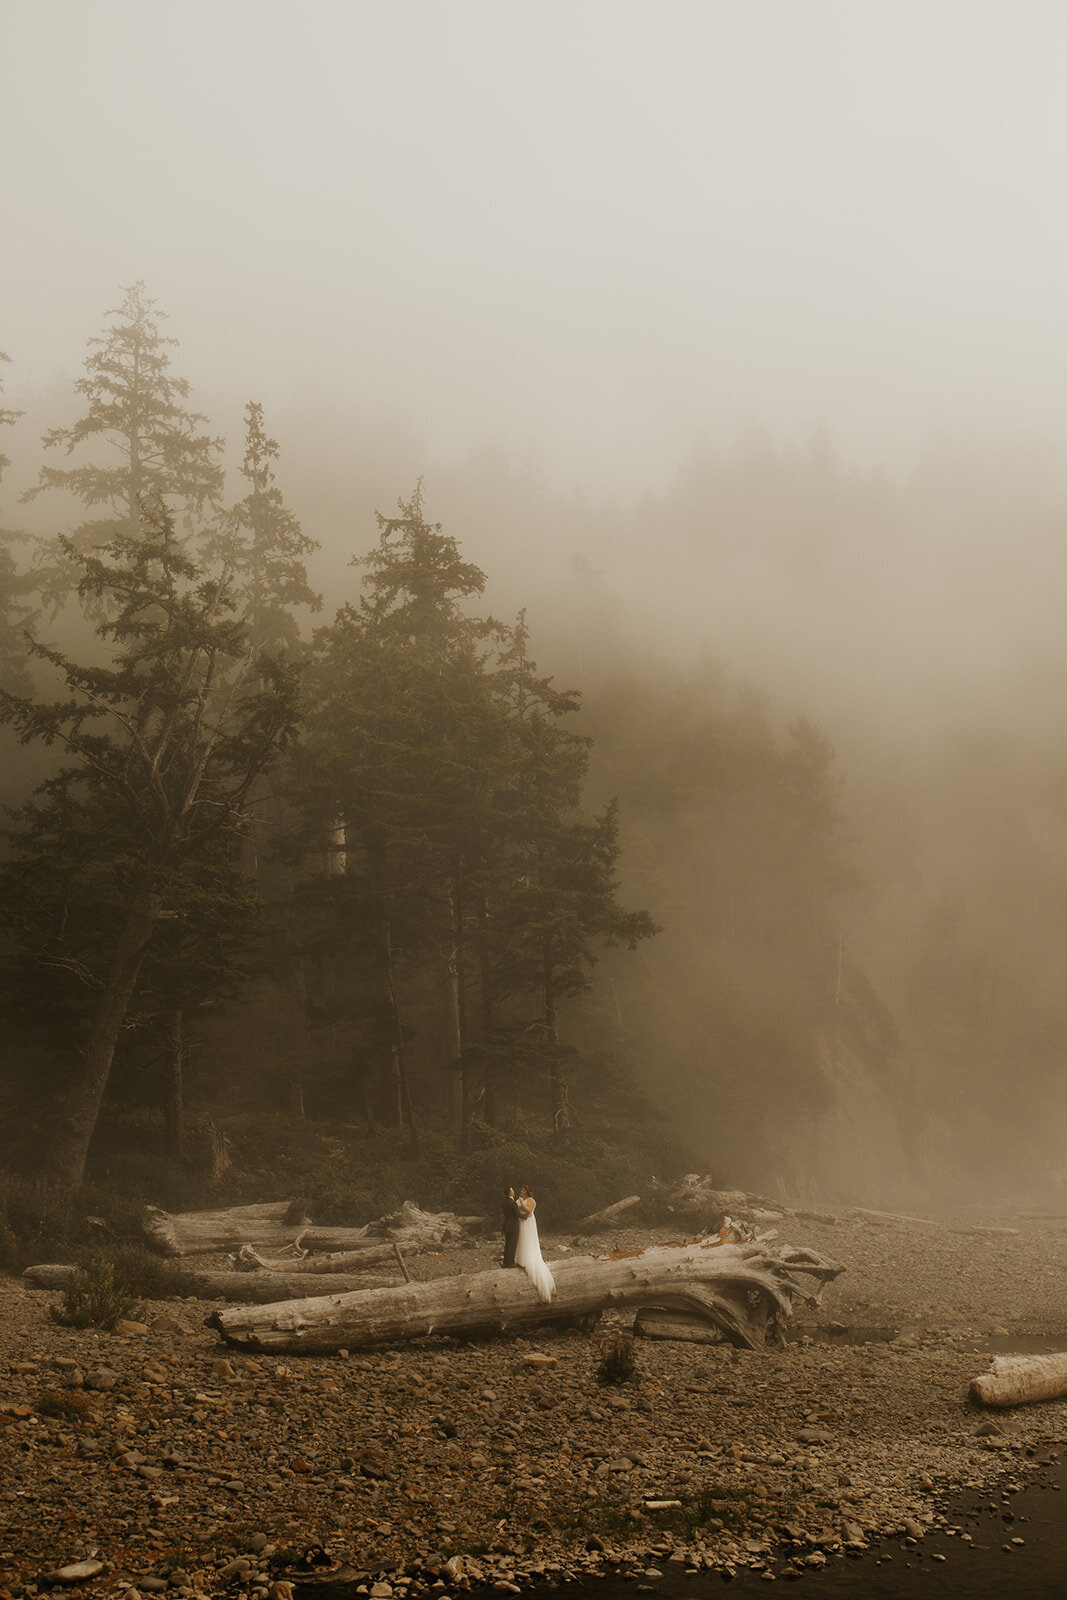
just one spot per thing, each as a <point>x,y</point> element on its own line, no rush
<point>96,1297</point>
<point>71,1405</point>
<point>618,1364</point>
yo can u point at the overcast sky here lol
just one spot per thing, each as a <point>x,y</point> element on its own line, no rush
<point>597,227</point>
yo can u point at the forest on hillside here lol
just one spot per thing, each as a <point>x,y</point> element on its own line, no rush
<point>387,858</point>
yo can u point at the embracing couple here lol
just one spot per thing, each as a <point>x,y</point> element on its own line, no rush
<point>522,1247</point>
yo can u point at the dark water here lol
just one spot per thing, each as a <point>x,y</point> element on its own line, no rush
<point>942,1566</point>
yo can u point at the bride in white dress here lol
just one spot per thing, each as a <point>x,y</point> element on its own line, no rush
<point>528,1250</point>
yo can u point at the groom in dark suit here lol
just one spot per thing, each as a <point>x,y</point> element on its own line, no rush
<point>511,1215</point>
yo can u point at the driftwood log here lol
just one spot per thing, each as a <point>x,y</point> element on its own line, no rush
<point>410,1225</point>
<point>370,1255</point>
<point>280,1224</point>
<point>609,1216</point>
<point>659,1322</point>
<point>1020,1380</point>
<point>269,1226</point>
<point>745,1290</point>
<point>240,1288</point>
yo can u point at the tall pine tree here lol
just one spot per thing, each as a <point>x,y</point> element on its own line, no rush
<point>164,744</point>
<point>147,448</point>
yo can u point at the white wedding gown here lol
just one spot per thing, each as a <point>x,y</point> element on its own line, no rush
<point>528,1256</point>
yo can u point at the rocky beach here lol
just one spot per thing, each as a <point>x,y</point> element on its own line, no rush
<point>155,1458</point>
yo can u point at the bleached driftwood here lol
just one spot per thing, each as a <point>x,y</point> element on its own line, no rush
<point>745,1290</point>
<point>889,1219</point>
<point>50,1275</point>
<point>1019,1380</point>
<point>240,1288</point>
<point>988,1233</point>
<point>370,1255</point>
<point>280,1224</point>
<point>410,1225</point>
<point>269,1226</point>
<point>609,1216</point>
<point>658,1322</point>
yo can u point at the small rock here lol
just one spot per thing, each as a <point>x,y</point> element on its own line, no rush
<point>240,1567</point>
<point>76,1572</point>
<point>124,1329</point>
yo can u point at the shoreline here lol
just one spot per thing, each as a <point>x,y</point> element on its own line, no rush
<point>444,1465</point>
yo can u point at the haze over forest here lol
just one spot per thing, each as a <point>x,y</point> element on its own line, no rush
<point>729,343</point>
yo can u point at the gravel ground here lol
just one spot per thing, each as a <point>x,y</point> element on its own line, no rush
<point>175,1463</point>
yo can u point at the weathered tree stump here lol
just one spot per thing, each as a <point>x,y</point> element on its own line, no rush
<point>744,1290</point>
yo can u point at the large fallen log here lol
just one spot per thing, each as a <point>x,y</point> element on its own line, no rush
<point>746,1290</point>
<point>1020,1380</point>
<point>269,1226</point>
<point>280,1224</point>
<point>240,1288</point>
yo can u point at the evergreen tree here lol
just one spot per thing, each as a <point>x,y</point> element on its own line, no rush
<point>156,450</point>
<point>265,545</point>
<point>16,607</point>
<point>164,745</point>
<point>397,732</point>
<point>562,903</point>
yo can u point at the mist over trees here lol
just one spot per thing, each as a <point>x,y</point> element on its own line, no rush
<point>304,826</point>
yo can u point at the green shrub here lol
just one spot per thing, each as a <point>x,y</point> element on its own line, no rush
<point>95,1298</point>
<point>148,1276</point>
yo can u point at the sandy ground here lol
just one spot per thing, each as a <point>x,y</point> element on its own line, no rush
<point>174,1462</point>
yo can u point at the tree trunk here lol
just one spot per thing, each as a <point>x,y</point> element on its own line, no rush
<point>1018,1380</point>
<point>69,1149</point>
<point>173,1092</point>
<point>558,1107</point>
<point>490,1106</point>
<point>744,1290</point>
<point>400,1089</point>
<point>454,1029</point>
<point>458,980</point>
